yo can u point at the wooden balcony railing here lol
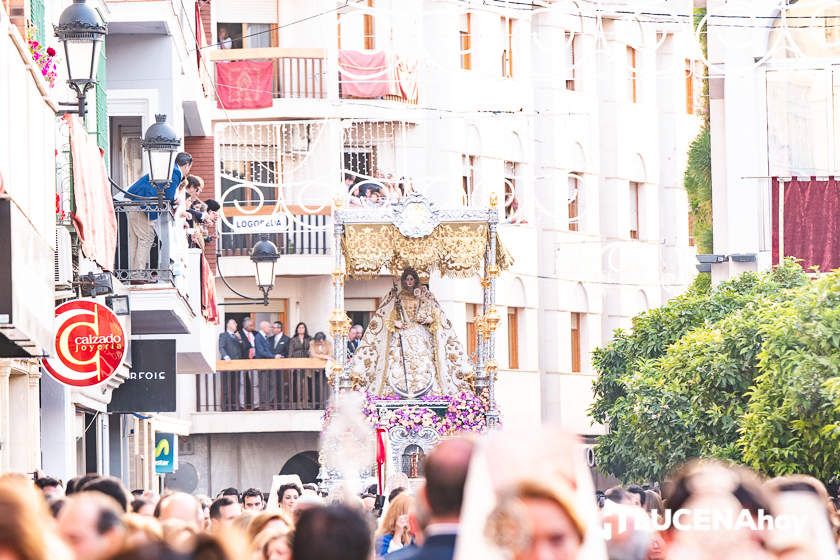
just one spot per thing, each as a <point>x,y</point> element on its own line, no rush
<point>298,73</point>
<point>248,385</point>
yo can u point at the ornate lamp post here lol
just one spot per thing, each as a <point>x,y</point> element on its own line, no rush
<point>81,32</point>
<point>160,144</point>
<point>264,256</point>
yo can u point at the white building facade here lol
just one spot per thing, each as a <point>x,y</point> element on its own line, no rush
<point>573,115</point>
<point>775,109</point>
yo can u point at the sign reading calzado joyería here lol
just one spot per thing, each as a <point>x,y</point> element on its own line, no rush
<point>89,344</point>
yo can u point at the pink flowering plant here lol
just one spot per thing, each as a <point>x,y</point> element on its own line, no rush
<point>465,412</point>
<point>44,57</point>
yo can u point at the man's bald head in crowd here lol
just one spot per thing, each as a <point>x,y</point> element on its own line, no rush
<point>181,506</point>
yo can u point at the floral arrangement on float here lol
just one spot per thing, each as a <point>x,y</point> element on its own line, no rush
<point>43,56</point>
<point>446,414</point>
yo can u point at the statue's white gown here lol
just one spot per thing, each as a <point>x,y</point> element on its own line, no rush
<point>435,361</point>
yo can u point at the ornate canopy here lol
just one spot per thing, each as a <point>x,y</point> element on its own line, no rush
<point>413,233</point>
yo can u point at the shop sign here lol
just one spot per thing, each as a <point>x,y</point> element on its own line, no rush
<point>88,346</point>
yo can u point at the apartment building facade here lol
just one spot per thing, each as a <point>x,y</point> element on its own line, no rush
<point>573,116</point>
<point>61,178</point>
<point>775,110</point>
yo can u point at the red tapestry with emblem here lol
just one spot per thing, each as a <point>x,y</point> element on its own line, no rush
<point>244,84</point>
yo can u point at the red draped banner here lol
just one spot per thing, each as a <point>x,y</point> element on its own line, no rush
<point>245,84</point>
<point>810,222</point>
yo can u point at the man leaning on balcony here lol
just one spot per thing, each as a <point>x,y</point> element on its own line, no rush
<point>141,225</point>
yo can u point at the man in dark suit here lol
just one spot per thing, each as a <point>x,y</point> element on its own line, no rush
<point>279,341</point>
<point>230,348</point>
<point>353,339</point>
<point>445,470</point>
<point>230,342</point>
<point>262,347</point>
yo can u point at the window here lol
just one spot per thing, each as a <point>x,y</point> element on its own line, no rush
<point>466,41</point>
<point>574,201</point>
<point>511,195</point>
<point>468,180</point>
<point>634,210</point>
<point>575,336</point>
<point>689,87</point>
<point>369,29</point>
<point>472,333</point>
<point>571,46</point>
<point>244,35</point>
<point>633,74</point>
<point>507,47</point>
<point>513,337</point>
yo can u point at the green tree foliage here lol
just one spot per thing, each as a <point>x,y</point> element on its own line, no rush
<point>698,187</point>
<point>680,385</point>
<point>791,424</point>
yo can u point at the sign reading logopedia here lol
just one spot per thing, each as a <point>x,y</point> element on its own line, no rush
<point>89,344</point>
<point>273,223</point>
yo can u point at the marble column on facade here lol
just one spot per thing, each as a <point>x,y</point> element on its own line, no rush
<point>33,416</point>
<point>5,373</point>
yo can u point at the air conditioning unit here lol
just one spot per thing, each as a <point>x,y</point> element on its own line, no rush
<point>63,258</point>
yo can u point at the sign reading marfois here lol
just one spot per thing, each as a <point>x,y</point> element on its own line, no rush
<point>89,344</point>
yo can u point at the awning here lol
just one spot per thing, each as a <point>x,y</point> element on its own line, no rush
<point>94,217</point>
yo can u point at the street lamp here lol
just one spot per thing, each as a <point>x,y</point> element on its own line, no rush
<point>160,144</point>
<point>265,255</point>
<point>81,32</point>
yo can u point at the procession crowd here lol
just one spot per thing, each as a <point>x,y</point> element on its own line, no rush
<point>96,518</point>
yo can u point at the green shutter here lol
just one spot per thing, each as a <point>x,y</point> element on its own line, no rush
<point>36,17</point>
<point>101,106</point>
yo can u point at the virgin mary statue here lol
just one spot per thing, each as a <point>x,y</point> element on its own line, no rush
<point>409,348</point>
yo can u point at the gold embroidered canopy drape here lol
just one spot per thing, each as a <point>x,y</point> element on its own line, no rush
<point>454,249</point>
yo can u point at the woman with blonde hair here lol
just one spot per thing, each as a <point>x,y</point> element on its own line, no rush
<point>141,529</point>
<point>267,521</point>
<point>273,545</point>
<point>394,533</point>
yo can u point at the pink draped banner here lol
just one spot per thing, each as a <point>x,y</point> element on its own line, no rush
<point>363,74</point>
<point>245,84</point>
<point>810,222</point>
<point>373,75</point>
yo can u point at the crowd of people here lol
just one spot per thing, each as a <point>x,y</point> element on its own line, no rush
<point>96,518</point>
<point>249,389</point>
<point>195,221</point>
<point>373,193</point>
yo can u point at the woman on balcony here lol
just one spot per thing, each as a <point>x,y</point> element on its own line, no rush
<point>320,348</point>
<point>299,345</point>
<point>299,348</point>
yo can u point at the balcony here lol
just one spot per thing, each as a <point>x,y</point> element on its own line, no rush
<point>295,73</point>
<point>307,74</point>
<point>268,385</point>
<point>305,232</point>
<point>291,395</point>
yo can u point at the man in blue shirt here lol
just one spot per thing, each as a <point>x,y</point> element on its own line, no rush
<point>141,230</point>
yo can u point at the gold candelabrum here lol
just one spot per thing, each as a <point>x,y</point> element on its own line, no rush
<point>492,319</point>
<point>340,323</point>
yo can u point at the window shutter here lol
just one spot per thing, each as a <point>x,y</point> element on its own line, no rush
<point>102,105</point>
